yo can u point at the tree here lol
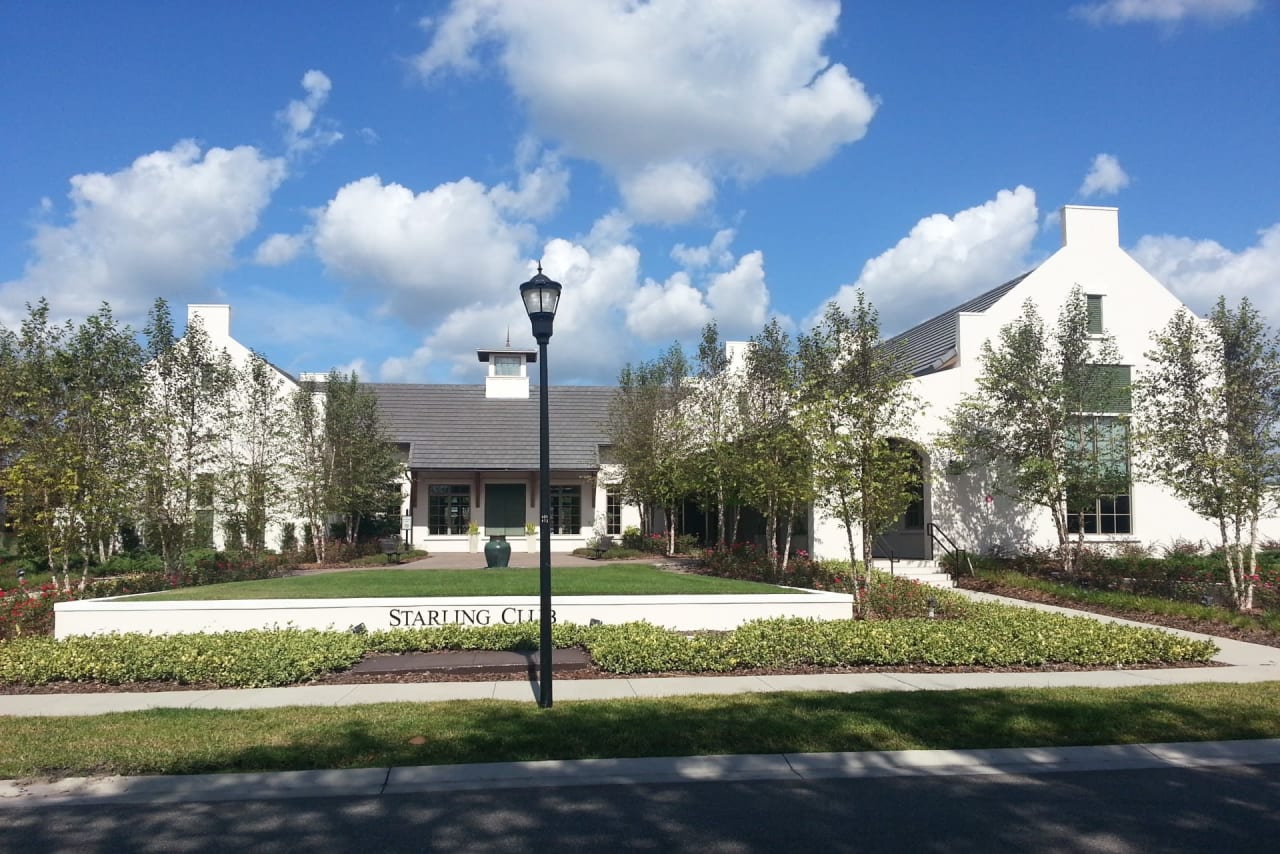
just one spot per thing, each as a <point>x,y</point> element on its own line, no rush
<point>36,479</point>
<point>105,396</point>
<point>1042,421</point>
<point>778,477</point>
<point>70,397</point>
<point>187,407</point>
<point>856,405</point>
<point>716,474</point>
<point>361,461</point>
<point>307,464</point>
<point>256,446</point>
<point>1209,426</point>
<point>649,428</point>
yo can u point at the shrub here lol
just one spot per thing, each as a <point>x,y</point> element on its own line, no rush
<point>687,544</point>
<point>992,635</point>
<point>28,611</point>
<point>288,537</point>
<point>251,659</point>
<point>632,538</point>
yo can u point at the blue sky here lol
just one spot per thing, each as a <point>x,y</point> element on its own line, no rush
<point>368,184</point>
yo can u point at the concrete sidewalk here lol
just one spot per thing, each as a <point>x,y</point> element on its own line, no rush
<point>378,782</point>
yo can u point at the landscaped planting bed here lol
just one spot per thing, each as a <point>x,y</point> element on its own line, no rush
<point>990,636</point>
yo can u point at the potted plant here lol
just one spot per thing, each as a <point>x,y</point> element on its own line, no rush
<point>473,537</point>
<point>530,537</point>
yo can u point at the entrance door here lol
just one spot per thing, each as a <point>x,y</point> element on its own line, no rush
<point>908,539</point>
<point>504,509</point>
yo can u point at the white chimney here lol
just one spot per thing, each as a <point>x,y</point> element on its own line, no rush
<point>216,320</point>
<point>1086,227</point>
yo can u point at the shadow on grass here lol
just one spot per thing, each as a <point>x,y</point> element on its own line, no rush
<point>203,741</point>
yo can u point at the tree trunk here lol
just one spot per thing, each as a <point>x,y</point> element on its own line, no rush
<point>786,546</point>
<point>720,515</point>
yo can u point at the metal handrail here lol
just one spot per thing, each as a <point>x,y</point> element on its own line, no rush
<point>948,546</point>
<point>893,557</point>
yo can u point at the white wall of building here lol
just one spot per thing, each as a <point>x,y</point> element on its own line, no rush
<point>1135,305</point>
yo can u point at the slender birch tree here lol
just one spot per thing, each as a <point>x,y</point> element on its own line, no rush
<point>778,477</point>
<point>1033,422</point>
<point>187,406</point>
<point>1208,426</point>
<point>857,407</point>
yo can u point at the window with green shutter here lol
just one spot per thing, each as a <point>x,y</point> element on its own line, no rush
<point>1108,390</point>
<point>1095,313</point>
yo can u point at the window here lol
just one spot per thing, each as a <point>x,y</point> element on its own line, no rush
<point>203,517</point>
<point>566,509</point>
<point>1105,444</point>
<point>613,513</point>
<point>448,508</point>
<point>1095,313</point>
<point>1108,389</point>
<point>506,366</point>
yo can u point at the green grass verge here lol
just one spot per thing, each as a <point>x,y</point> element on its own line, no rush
<point>1133,603</point>
<point>602,580</point>
<point>188,741</point>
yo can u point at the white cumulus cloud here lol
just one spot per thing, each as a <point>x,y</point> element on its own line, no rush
<point>542,185</point>
<point>665,310</point>
<point>160,226</point>
<point>1105,177</point>
<point>302,131</point>
<point>667,192</point>
<point>737,299</point>
<point>598,276</point>
<point>1199,271</point>
<point>716,253</point>
<point>279,249</point>
<point>669,96</point>
<point>1163,11</point>
<point>949,258</point>
<point>428,252</point>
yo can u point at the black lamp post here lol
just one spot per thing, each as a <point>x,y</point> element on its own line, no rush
<point>541,298</point>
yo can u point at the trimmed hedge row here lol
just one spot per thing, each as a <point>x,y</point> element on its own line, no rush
<point>993,636</point>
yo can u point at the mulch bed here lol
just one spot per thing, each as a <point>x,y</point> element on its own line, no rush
<point>1188,624</point>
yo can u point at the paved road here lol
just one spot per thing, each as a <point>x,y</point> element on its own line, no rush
<point>1168,810</point>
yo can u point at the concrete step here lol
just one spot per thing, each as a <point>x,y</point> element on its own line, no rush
<point>924,571</point>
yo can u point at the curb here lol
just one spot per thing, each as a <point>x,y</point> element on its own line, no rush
<point>378,782</point>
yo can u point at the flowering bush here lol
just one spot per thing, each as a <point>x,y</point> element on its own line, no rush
<point>25,612</point>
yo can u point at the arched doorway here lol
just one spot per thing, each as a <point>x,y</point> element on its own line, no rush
<point>908,538</point>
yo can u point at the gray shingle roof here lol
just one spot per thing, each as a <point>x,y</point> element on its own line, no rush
<point>456,427</point>
<point>922,346</point>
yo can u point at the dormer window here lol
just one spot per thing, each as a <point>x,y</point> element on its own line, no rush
<point>1095,313</point>
<point>507,365</point>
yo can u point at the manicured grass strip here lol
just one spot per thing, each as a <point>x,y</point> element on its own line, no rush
<point>603,580</point>
<point>187,741</point>
<point>1133,603</point>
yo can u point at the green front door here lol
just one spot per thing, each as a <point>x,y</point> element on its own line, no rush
<point>504,509</point>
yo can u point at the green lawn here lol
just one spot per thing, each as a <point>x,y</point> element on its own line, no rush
<point>606,579</point>
<point>191,741</point>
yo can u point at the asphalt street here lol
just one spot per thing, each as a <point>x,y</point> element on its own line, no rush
<point>1229,809</point>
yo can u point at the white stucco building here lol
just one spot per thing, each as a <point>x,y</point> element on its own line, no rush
<point>1126,303</point>
<point>472,450</point>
